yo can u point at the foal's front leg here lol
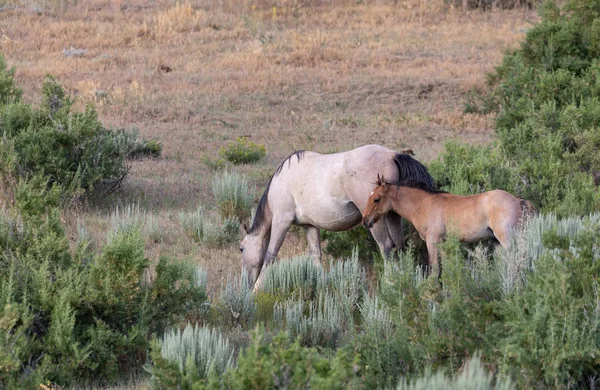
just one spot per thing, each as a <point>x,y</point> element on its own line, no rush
<point>434,253</point>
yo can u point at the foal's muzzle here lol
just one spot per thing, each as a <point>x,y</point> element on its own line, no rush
<point>367,224</point>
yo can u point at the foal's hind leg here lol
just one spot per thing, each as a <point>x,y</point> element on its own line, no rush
<point>502,234</point>
<point>313,236</point>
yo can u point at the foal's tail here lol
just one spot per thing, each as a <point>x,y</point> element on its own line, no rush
<point>528,210</point>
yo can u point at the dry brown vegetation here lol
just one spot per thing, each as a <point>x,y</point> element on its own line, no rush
<point>324,76</point>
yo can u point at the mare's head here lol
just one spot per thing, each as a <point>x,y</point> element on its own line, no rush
<point>254,245</point>
<point>379,203</point>
<point>253,250</point>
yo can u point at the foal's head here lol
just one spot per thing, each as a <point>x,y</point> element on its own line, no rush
<point>379,203</point>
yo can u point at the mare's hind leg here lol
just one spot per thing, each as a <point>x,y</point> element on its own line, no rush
<point>313,236</point>
<point>279,228</point>
<point>382,237</point>
<point>394,226</point>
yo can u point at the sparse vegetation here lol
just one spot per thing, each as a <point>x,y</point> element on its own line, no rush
<point>77,310</point>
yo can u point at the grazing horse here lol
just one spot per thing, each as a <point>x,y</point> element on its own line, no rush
<point>321,191</point>
<point>434,213</point>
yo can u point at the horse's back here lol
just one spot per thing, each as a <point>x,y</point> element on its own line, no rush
<point>329,190</point>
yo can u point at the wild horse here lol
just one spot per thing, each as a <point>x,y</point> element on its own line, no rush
<point>434,213</point>
<point>323,191</point>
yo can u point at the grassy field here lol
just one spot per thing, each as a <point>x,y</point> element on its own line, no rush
<point>196,75</point>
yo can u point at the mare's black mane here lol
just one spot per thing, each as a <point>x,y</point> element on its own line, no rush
<point>413,174</point>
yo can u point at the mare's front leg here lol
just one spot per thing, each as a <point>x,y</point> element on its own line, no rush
<point>382,237</point>
<point>279,228</point>
<point>313,236</point>
<point>394,226</point>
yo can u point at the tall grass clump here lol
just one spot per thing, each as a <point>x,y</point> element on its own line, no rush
<point>347,280</point>
<point>222,233</point>
<point>299,275</point>
<point>236,302</point>
<point>233,195</point>
<point>325,325</point>
<point>208,232</point>
<point>126,218</point>
<point>199,348</point>
<point>519,259</point>
<point>473,376</point>
<point>194,223</point>
<point>131,217</point>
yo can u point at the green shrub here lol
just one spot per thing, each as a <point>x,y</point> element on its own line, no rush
<point>343,244</point>
<point>519,260</point>
<point>547,98</point>
<point>383,346</point>
<point>9,92</point>
<point>88,315</point>
<point>177,293</point>
<point>465,169</point>
<point>242,151</point>
<point>282,364</point>
<point>15,320</point>
<point>72,150</point>
<point>134,147</point>
<point>552,324</point>
<point>233,195</point>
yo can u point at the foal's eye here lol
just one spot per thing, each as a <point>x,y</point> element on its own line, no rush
<point>241,250</point>
<point>377,200</point>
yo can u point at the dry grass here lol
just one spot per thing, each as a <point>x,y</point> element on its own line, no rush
<point>325,76</point>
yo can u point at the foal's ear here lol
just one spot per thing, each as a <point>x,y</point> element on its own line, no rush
<point>380,180</point>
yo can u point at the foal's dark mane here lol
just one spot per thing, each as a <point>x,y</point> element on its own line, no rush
<point>259,216</point>
<point>413,174</point>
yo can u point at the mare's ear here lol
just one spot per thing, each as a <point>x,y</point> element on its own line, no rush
<point>245,227</point>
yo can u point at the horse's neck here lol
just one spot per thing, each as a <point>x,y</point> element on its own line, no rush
<point>406,201</point>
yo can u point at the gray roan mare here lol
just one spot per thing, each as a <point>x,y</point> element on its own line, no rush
<point>322,191</point>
